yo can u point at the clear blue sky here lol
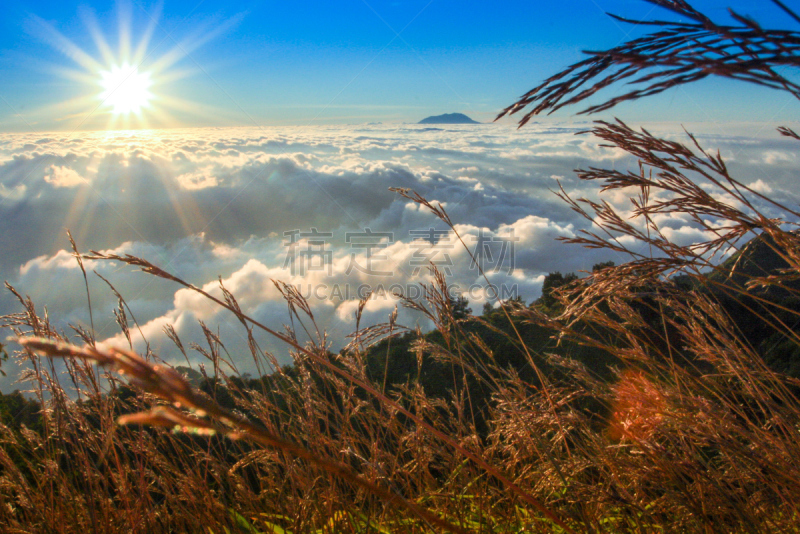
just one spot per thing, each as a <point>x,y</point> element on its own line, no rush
<point>318,62</point>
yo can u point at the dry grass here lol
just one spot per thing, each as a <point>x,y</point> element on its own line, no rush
<point>695,434</point>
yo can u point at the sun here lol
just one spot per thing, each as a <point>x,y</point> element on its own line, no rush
<point>132,85</point>
<point>125,89</point>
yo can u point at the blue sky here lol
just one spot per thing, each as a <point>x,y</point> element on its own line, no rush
<point>268,63</point>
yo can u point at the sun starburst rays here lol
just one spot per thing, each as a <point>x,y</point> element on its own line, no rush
<point>124,83</point>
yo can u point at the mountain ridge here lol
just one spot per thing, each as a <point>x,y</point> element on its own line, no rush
<point>448,118</point>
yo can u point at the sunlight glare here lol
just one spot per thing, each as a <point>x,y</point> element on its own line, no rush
<point>126,89</point>
<point>127,86</point>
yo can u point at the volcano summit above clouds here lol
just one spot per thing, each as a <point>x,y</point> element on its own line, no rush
<point>448,118</point>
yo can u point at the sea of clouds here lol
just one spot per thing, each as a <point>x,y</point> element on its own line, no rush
<point>311,207</point>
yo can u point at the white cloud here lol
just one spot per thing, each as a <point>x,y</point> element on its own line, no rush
<point>14,194</point>
<point>63,177</point>
<point>197,180</point>
<point>773,157</point>
<point>761,187</point>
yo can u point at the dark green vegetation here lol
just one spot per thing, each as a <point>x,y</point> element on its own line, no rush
<point>656,395</point>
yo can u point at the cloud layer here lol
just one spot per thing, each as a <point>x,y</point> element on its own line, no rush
<point>310,207</point>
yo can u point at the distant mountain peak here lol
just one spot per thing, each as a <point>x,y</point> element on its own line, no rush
<point>448,118</point>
